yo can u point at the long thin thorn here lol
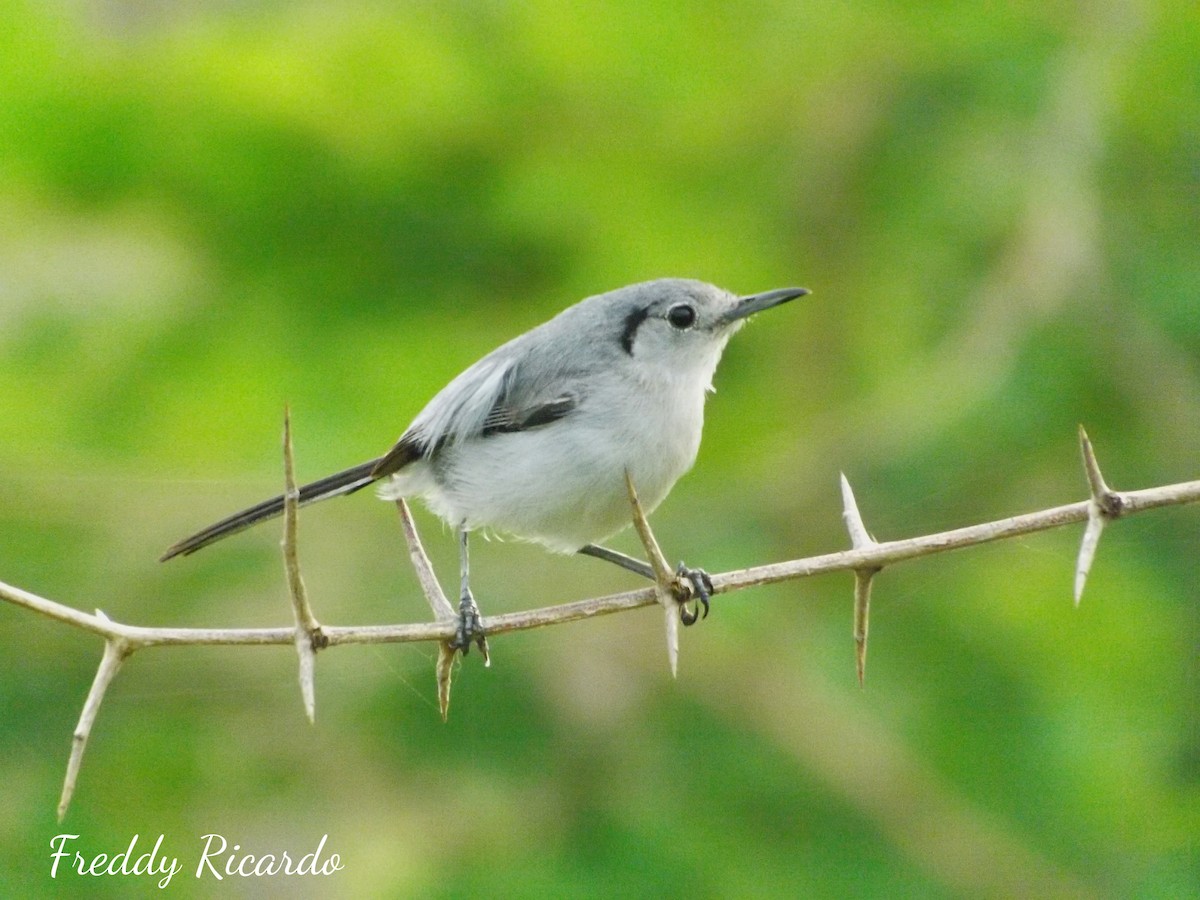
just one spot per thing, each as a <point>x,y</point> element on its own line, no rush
<point>1104,504</point>
<point>852,517</point>
<point>862,614</point>
<point>671,632</point>
<point>436,597</point>
<point>300,605</point>
<point>663,575</point>
<point>1087,549</point>
<point>309,636</point>
<point>116,651</point>
<point>426,577</point>
<point>859,538</point>
<point>443,673</point>
<point>1091,466</point>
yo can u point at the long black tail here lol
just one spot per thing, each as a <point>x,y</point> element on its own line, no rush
<point>345,482</point>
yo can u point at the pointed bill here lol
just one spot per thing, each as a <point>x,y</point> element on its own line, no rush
<point>749,305</point>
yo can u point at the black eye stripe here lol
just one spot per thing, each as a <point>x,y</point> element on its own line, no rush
<point>632,321</point>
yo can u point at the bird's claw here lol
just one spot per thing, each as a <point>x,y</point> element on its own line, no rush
<point>695,585</point>
<point>470,628</point>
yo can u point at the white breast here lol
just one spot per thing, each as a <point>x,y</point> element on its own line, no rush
<point>563,485</point>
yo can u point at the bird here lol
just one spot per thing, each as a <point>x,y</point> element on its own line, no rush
<point>535,440</point>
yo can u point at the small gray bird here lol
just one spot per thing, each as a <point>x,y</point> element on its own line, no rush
<point>533,441</point>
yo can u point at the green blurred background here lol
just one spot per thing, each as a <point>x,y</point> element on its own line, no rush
<point>210,210</point>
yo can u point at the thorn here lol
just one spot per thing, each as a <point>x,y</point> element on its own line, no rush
<point>859,538</point>
<point>664,578</point>
<point>1103,504</point>
<point>1091,466</point>
<point>853,518</point>
<point>307,656</point>
<point>862,612</point>
<point>445,668</point>
<point>436,597</point>
<point>116,651</point>
<point>308,630</point>
<point>1087,548</point>
<point>671,622</point>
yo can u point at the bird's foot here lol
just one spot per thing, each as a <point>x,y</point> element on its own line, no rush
<point>470,628</point>
<point>692,585</point>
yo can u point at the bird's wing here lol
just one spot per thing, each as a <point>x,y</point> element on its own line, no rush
<point>505,418</point>
<point>491,397</point>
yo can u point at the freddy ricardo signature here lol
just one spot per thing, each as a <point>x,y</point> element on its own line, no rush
<point>215,858</point>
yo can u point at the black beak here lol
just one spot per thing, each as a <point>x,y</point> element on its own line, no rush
<point>748,306</point>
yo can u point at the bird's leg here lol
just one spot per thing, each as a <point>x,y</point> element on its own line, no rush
<point>689,583</point>
<point>470,628</point>
<point>628,563</point>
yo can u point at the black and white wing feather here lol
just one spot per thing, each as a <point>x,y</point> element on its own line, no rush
<point>492,397</point>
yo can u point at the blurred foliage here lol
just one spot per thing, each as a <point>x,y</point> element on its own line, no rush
<point>208,211</point>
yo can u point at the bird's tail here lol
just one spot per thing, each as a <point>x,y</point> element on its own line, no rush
<point>344,482</point>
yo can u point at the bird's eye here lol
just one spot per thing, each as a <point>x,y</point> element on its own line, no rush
<point>681,316</point>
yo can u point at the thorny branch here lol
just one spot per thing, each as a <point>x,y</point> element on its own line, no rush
<point>866,559</point>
